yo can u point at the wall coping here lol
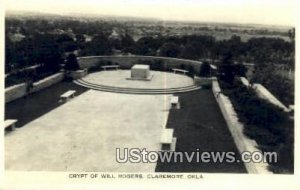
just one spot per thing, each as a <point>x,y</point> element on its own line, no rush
<point>14,86</point>
<point>19,90</point>
<point>47,78</point>
<point>243,143</point>
<point>264,93</point>
<point>139,56</point>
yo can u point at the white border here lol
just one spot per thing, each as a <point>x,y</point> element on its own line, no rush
<point>59,180</point>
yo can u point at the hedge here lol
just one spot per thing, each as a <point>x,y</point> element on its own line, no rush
<point>264,122</point>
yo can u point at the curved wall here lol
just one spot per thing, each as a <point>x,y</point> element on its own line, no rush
<point>126,62</point>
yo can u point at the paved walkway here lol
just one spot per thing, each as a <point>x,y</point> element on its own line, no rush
<point>82,134</point>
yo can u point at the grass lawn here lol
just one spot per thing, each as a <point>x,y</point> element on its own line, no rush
<point>37,104</point>
<point>199,124</point>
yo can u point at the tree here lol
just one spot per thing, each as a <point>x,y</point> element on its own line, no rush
<point>80,38</point>
<point>227,69</point>
<point>127,41</point>
<point>169,49</point>
<point>147,46</point>
<point>9,52</point>
<point>72,63</point>
<point>100,45</point>
<point>291,34</point>
<point>281,87</point>
<point>240,70</point>
<point>191,70</point>
<point>52,62</point>
<point>115,43</point>
<point>48,52</point>
<point>189,52</point>
<point>205,69</point>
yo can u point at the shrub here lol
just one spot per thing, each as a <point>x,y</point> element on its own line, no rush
<point>191,70</point>
<point>205,70</point>
<point>280,86</point>
<point>72,63</point>
<point>241,70</point>
<point>266,123</point>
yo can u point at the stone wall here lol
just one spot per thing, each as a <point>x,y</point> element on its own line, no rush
<point>18,91</point>
<point>78,74</point>
<point>46,82</point>
<point>242,142</point>
<point>15,92</point>
<point>126,62</point>
<point>245,81</point>
<point>264,93</point>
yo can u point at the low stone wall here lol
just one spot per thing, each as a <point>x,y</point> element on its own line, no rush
<point>264,93</point>
<point>15,92</point>
<point>78,74</point>
<point>245,81</point>
<point>18,91</point>
<point>242,142</point>
<point>126,62</point>
<point>46,82</point>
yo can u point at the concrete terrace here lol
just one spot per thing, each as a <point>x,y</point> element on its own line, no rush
<point>160,80</point>
<point>39,103</point>
<point>83,134</point>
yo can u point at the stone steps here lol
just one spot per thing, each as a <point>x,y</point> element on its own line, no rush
<point>135,90</point>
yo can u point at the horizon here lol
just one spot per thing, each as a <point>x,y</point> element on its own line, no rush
<point>255,12</point>
<point>101,16</point>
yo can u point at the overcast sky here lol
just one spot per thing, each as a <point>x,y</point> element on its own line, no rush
<point>275,12</point>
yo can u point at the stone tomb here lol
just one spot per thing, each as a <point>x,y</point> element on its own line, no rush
<point>140,72</point>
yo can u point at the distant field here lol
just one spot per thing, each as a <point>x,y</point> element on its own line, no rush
<point>246,37</point>
<point>225,36</point>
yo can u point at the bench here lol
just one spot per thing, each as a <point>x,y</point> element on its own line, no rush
<point>175,102</point>
<point>180,70</point>
<point>167,140</point>
<point>110,67</point>
<point>67,95</point>
<point>10,123</point>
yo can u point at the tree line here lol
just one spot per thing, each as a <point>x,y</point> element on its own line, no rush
<point>70,35</point>
<point>47,42</point>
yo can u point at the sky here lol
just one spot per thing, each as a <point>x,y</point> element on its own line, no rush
<point>273,12</point>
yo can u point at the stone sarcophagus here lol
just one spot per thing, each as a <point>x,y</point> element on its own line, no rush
<point>140,72</point>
